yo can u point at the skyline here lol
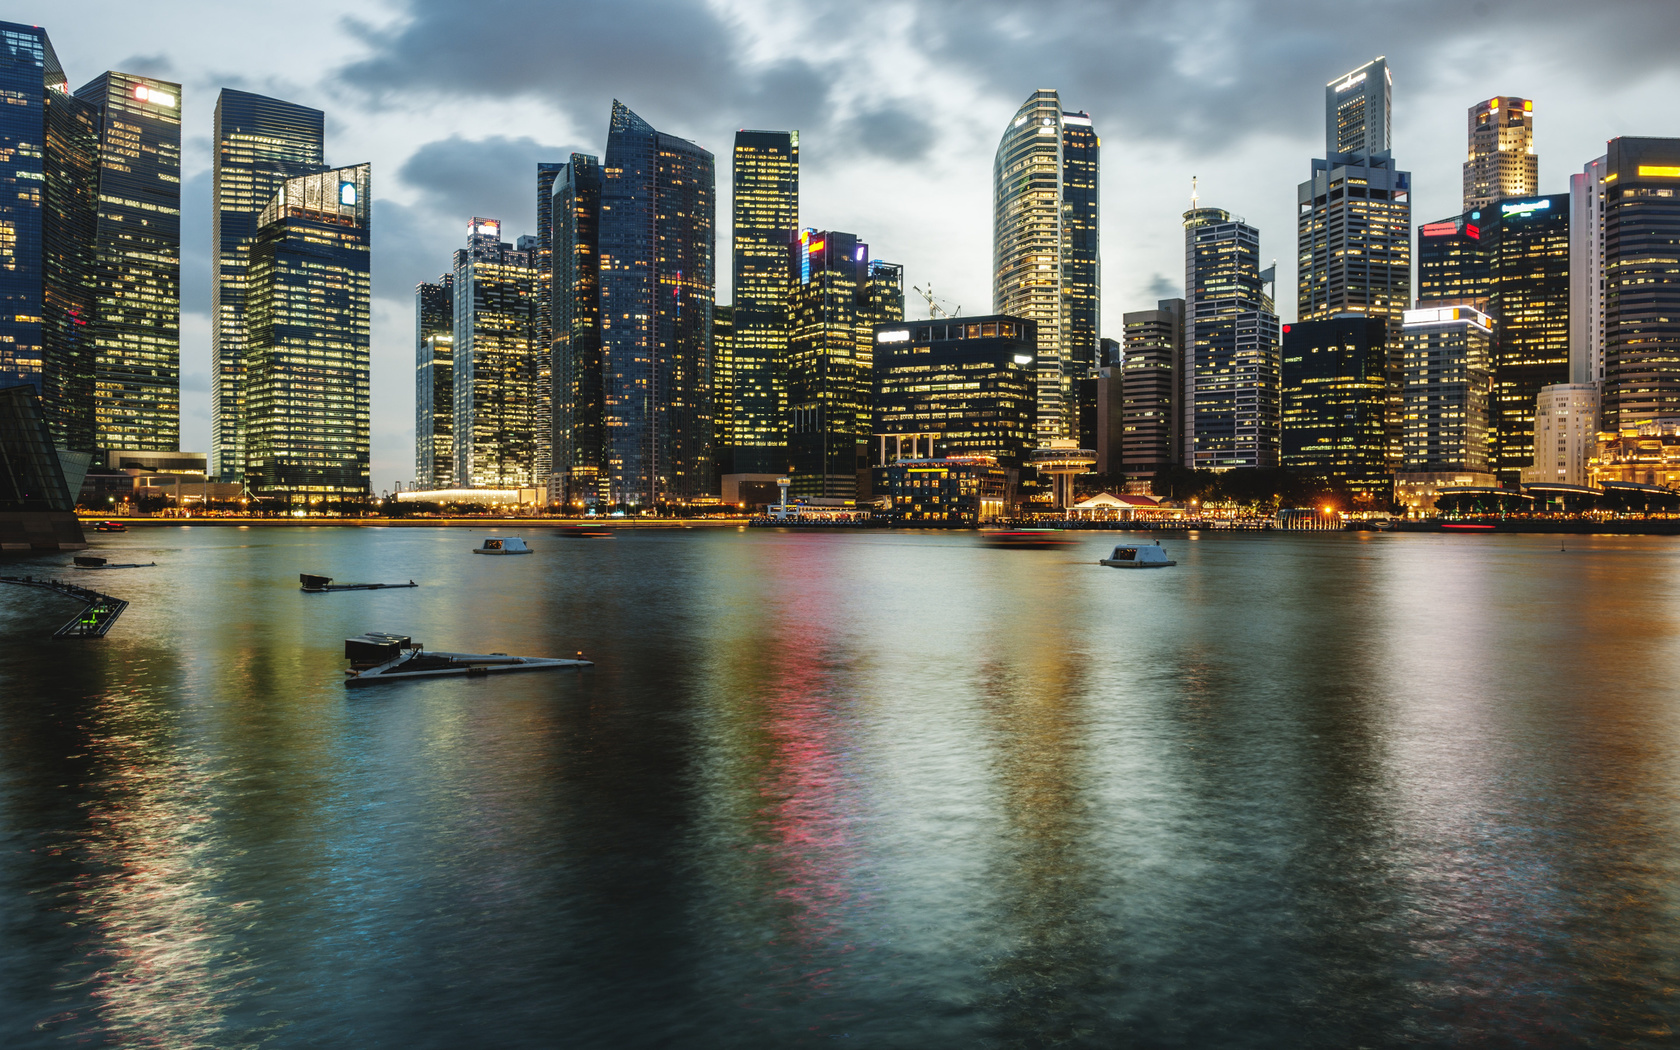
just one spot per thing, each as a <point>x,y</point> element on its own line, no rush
<point>909,167</point>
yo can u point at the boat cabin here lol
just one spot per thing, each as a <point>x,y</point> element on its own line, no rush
<point>502,545</point>
<point>1150,557</point>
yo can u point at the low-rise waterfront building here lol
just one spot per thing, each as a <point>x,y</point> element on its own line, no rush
<point>1641,453</point>
<point>1565,435</point>
<point>950,490</point>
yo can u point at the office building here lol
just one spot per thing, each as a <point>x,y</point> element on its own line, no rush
<point>1447,365</point>
<point>579,433</point>
<point>1453,262</point>
<point>499,427</point>
<point>1501,162</point>
<point>949,490</point>
<point>1045,234</point>
<point>260,142</point>
<point>307,323</point>
<point>434,384</point>
<point>657,234</point>
<point>28,76</point>
<point>137,263</point>
<point>967,385</point>
<point>766,222</point>
<point>1231,382</point>
<point>1586,273</point>
<point>1151,405</point>
<point>1335,401</point>
<point>543,247</point>
<point>839,298</point>
<point>1641,254</point>
<point>69,200</point>
<point>1565,435</point>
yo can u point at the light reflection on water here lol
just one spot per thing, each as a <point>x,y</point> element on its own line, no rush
<point>1323,790</point>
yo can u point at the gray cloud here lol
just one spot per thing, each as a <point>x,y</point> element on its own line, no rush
<point>410,245</point>
<point>495,177</point>
<point>891,131</point>
<point>159,65</point>
<point>1163,287</point>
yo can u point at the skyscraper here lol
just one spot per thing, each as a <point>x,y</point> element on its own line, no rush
<point>498,424</point>
<point>1528,299</point>
<point>260,142</point>
<point>1502,162</point>
<point>1448,369</point>
<point>307,299</point>
<point>434,383</point>
<point>1045,259</point>
<point>1335,400</point>
<point>1641,254</point>
<point>69,299</point>
<point>1231,384</point>
<point>658,219</point>
<point>1152,415</point>
<point>29,71</point>
<point>766,221</point>
<point>137,263</point>
<point>579,398</point>
<point>839,297</point>
<point>1587,192</point>
<point>1453,262</point>
<point>547,174</point>
<point>964,383</point>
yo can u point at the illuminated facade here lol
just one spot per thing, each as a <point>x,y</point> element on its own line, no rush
<point>29,72</point>
<point>723,379</point>
<point>1646,452</point>
<point>752,414</point>
<point>1335,400</point>
<point>1565,435</point>
<point>1045,231</point>
<point>1231,382</point>
<point>657,242</point>
<point>1641,294</point>
<point>1528,299</point>
<point>579,402</point>
<point>307,322</point>
<point>968,383</point>
<point>547,175</point>
<point>137,263</point>
<point>952,490</point>
<point>1453,262</point>
<point>839,298</point>
<point>1447,363</point>
<point>498,424</point>
<point>69,301</point>
<point>434,384</point>
<point>260,142</point>
<point>1152,409</point>
<point>1501,162</point>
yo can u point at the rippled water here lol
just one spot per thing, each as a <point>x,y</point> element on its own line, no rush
<point>892,788</point>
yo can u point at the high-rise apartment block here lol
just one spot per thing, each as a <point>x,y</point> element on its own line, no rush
<point>1501,162</point>
<point>434,384</point>
<point>499,427</point>
<point>1335,400</point>
<point>1045,236</point>
<point>307,310</point>
<point>260,142</point>
<point>1231,381</point>
<point>752,414</point>
<point>1447,362</point>
<point>1151,404</point>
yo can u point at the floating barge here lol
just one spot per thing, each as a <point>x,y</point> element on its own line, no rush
<point>89,561</point>
<point>313,584</point>
<point>93,621</point>
<point>376,657</point>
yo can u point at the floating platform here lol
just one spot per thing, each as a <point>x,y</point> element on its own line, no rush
<point>88,561</point>
<point>313,584</point>
<point>391,657</point>
<point>93,621</point>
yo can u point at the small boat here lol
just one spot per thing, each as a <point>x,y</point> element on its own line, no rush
<point>110,526</point>
<point>1024,539</point>
<point>89,561</point>
<point>376,657</point>
<point>313,584</point>
<point>584,532</point>
<point>503,545</point>
<point>1138,558</point>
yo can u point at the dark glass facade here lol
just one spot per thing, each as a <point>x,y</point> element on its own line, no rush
<point>307,308</point>
<point>955,490</point>
<point>260,142</point>
<point>579,392</point>
<point>70,197</point>
<point>1453,262</point>
<point>752,410</point>
<point>969,382</point>
<point>1335,400</point>
<point>1641,289</point>
<point>1081,255</point>
<point>547,175</point>
<point>137,263</point>
<point>657,242</point>
<point>1151,414</point>
<point>434,384</point>
<point>28,70</point>
<point>1231,345</point>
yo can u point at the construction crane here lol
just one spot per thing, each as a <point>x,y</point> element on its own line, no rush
<point>933,301</point>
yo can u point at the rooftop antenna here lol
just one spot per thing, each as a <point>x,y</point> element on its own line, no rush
<point>1193,197</point>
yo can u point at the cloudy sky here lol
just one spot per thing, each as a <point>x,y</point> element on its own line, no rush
<point>899,107</point>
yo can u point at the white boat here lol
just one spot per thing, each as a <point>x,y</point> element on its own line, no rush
<point>390,657</point>
<point>502,545</point>
<point>1154,557</point>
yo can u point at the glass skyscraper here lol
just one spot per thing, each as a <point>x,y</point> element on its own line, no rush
<point>1231,383</point>
<point>499,424</point>
<point>1151,407</point>
<point>1335,401</point>
<point>1045,236</point>
<point>260,142</point>
<point>1641,255</point>
<point>657,243</point>
<point>434,383</point>
<point>29,71</point>
<point>307,323</point>
<point>752,412</point>
<point>137,263</point>
<point>69,301</point>
<point>967,383</point>
<point>579,399</point>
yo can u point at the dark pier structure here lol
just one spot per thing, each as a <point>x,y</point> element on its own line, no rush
<point>37,508</point>
<point>93,621</point>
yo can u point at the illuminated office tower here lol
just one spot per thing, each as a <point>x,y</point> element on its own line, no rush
<point>1641,254</point>
<point>1453,262</point>
<point>1447,365</point>
<point>547,174</point>
<point>307,302</point>
<point>69,299</point>
<point>657,234</point>
<point>434,383</point>
<point>966,384</point>
<point>1501,163</point>
<point>137,263</point>
<point>766,220</point>
<point>260,142</point>
<point>498,425</point>
<point>1335,401</point>
<point>1231,382</point>
<point>1151,406</point>
<point>839,297</point>
<point>29,73</point>
<point>723,378</point>
<point>579,400</point>
<point>1528,299</point>
<point>1045,262</point>
<point>1587,193</point>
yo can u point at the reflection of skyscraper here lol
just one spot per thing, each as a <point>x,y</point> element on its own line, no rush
<point>1045,244</point>
<point>434,384</point>
<point>766,220</point>
<point>307,307</point>
<point>579,433</point>
<point>658,215</point>
<point>498,422</point>
<point>260,143</point>
<point>1231,414</point>
<point>1502,162</point>
<point>137,263</point>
